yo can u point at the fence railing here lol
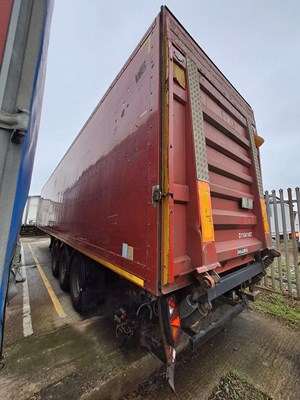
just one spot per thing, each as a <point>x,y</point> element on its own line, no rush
<point>284,221</point>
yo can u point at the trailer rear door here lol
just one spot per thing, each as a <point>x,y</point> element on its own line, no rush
<point>213,208</point>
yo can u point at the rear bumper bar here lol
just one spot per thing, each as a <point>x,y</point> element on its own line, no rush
<point>230,281</point>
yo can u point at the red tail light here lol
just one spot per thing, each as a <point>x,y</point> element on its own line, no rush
<point>173,321</point>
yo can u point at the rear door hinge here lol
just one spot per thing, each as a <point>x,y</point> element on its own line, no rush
<point>157,194</point>
<point>17,124</point>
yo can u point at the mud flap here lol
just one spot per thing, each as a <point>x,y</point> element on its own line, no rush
<point>170,373</point>
<point>92,285</point>
<point>88,300</point>
<point>167,344</point>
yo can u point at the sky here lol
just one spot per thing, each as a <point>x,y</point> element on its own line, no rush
<point>255,43</point>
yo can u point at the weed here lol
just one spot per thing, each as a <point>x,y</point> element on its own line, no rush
<point>281,307</point>
<point>235,386</point>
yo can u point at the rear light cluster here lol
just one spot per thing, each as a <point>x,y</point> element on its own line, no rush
<point>174,321</point>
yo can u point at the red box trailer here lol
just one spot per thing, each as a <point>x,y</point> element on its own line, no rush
<point>163,185</point>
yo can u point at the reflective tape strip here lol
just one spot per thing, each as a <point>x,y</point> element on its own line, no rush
<point>197,122</point>
<point>264,215</point>
<point>207,224</point>
<point>179,75</point>
<point>165,163</point>
<point>120,271</point>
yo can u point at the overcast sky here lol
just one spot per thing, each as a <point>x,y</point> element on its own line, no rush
<point>255,43</point>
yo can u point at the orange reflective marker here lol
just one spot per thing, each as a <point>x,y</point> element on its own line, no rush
<point>207,225</point>
<point>264,215</point>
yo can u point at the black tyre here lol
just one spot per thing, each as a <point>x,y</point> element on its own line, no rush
<point>76,281</point>
<point>63,269</point>
<point>55,258</point>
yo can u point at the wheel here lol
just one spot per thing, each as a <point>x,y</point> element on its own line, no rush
<point>55,258</point>
<point>63,270</point>
<point>87,283</point>
<point>76,281</point>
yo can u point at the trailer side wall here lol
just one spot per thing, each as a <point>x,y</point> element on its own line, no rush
<point>99,199</point>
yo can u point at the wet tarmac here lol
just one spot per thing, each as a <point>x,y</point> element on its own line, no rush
<point>44,317</point>
<point>67,355</point>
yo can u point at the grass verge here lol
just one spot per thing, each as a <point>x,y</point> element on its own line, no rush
<point>279,306</point>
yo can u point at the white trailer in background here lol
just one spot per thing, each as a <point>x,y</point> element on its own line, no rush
<point>280,218</point>
<point>29,217</point>
<point>30,211</point>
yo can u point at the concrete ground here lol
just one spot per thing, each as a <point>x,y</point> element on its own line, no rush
<point>263,350</point>
<point>44,317</point>
<point>62,355</point>
<point>71,357</point>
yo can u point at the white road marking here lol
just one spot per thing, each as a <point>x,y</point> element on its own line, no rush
<point>27,324</point>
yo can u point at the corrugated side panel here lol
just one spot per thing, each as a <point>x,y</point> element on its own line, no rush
<point>230,177</point>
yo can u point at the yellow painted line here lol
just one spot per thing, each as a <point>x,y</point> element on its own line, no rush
<point>120,271</point>
<point>52,295</point>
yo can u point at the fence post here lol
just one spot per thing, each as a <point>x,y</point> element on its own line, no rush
<point>275,213</point>
<point>267,197</point>
<point>294,243</point>
<point>298,206</point>
<point>286,244</point>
